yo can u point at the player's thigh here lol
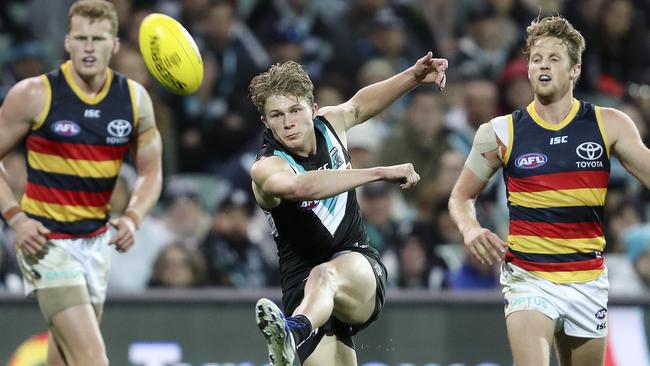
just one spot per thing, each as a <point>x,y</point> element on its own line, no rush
<point>78,330</point>
<point>576,351</point>
<point>531,336</point>
<point>331,351</point>
<point>357,288</point>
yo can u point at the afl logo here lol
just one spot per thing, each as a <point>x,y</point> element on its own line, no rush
<point>601,314</point>
<point>531,161</point>
<point>119,128</point>
<point>589,150</point>
<point>66,128</point>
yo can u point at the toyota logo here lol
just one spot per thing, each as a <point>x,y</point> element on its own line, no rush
<point>589,150</point>
<point>119,128</point>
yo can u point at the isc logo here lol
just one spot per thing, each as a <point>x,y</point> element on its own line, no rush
<point>531,161</point>
<point>92,113</point>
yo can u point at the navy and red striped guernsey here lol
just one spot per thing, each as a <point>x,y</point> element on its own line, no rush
<point>556,178</point>
<point>75,151</point>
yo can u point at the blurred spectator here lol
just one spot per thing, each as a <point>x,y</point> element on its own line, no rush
<point>480,105</point>
<point>185,216</point>
<point>439,188</point>
<point>233,259</point>
<point>515,91</point>
<point>178,266</point>
<point>388,40</point>
<point>25,59</point>
<point>373,71</point>
<point>376,201</point>
<point>130,63</point>
<point>473,275</point>
<point>637,242</point>
<point>192,14</point>
<point>310,31</point>
<point>218,122</point>
<point>420,139</point>
<point>364,141</point>
<point>133,268</point>
<point>417,267</point>
<point>483,50</point>
<point>622,214</point>
<point>628,272</point>
<point>620,51</point>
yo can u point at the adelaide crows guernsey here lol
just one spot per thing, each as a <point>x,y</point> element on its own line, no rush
<point>556,178</point>
<point>308,233</point>
<point>75,151</point>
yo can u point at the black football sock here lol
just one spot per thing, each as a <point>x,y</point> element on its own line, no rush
<point>300,327</point>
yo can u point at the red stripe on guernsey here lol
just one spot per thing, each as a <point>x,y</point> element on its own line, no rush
<point>69,236</point>
<point>555,181</point>
<point>596,263</point>
<point>560,230</point>
<point>75,151</point>
<point>67,197</point>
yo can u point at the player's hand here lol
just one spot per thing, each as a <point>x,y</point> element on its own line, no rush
<point>124,238</point>
<point>404,174</point>
<point>431,70</point>
<point>485,245</point>
<point>31,235</point>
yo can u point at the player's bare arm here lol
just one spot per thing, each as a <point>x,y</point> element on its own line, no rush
<point>625,142</point>
<point>373,99</point>
<point>273,180</point>
<point>482,163</point>
<point>23,106</point>
<point>146,191</point>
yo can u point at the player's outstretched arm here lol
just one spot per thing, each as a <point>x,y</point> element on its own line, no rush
<point>482,163</point>
<point>626,144</point>
<point>273,180</point>
<point>372,99</point>
<point>148,163</point>
<point>24,105</point>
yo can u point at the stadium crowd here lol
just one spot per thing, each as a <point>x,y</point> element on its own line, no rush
<point>207,229</point>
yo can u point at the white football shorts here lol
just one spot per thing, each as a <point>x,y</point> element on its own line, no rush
<point>580,309</point>
<point>70,262</point>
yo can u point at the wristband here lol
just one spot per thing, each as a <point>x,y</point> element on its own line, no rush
<point>133,215</point>
<point>12,214</point>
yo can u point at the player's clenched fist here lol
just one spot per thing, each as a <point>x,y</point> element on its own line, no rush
<point>404,174</point>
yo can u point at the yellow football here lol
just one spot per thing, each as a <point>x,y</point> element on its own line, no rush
<point>170,53</point>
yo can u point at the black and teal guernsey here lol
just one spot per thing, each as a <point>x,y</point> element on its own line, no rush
<point>74,153</point>
<point>557,177</point>
<point>308,233</point>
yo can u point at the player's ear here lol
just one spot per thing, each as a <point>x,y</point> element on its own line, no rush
<point>575,72</point>
<point>66,43</point>
<point>263,119</point>
<point>116,46</point>
<point>314,108</point>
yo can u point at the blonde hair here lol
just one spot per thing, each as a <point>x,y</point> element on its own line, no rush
<point>558,27</point>
<point>94,10</point>
<point>288,78</point>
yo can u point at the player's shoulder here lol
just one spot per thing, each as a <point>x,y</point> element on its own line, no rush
<point>267,166</point>
<point>613,114</point>
<point>29,95</point>
<point>31,87</point>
